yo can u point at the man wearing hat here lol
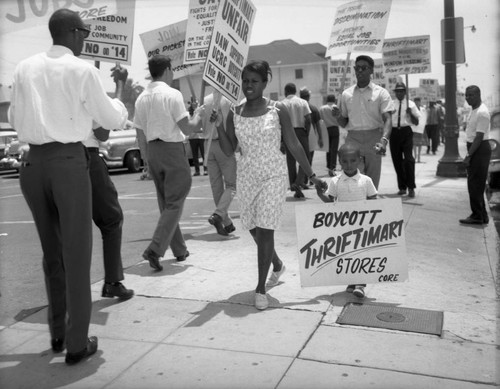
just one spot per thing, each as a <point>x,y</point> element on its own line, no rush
<point>401,140</point>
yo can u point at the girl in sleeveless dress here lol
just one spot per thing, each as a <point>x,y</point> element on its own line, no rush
<point>258,126</point>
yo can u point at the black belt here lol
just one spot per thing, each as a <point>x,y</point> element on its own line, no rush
<point>299,128</point>
<point>93,149</point>
<point>399,128</point>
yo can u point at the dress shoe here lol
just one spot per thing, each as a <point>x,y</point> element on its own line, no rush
<point>298,192</point>
<point>153,259</point>
<point>331,173</point>
<point>116,289</point>
<point>216,221</point>
<point>72,358</point>
<point>411,192</point>
<point>196,174</point>
<point>471,220</point>
<point>181,258</point>
<point>230,228</point>
<point>402,192</point>
<point>57,345</point>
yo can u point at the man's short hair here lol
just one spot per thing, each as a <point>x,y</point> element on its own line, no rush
<point>366,58</point>
<point>158,64</point>
<point>290,89</point>
<point>62,21</point>
<point>331,99</point>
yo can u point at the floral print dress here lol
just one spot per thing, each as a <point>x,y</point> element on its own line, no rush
<point>261,170</point>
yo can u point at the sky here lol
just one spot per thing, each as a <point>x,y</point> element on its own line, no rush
<point>306,21</point>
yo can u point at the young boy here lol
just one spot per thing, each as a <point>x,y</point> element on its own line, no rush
<point>350,185</point>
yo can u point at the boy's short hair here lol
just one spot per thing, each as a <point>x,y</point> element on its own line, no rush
<point>349,148</point>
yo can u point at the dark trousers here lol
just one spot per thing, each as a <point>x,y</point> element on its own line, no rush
<point>197,148</point>
<point>107,215</point>
<point>432,132</point>
<point>169,167</point>
<point>56,185</point>
<point>401,145</point>
<point>477,173</point>
<point>293,176</point>
<point>333,146</point>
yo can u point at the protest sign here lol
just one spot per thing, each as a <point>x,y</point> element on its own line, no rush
<point>169,40</point>
<point>356,242</point>
<point>407,55</point>
<point>200,24</point>
<point>428,90</point>
<point>21,14</point>
<point>228,51</point>
<point>359,26</point>
<point>336,72</point>
<point>111,37</point>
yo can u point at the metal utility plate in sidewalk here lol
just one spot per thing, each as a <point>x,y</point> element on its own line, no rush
<point>394,318</point>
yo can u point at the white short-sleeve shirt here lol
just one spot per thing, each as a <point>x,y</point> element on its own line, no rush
<point>355,188</point>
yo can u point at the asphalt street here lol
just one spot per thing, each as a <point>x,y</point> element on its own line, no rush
<point>21,276</point>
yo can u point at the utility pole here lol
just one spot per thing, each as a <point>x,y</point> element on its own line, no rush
<point>451,164</point>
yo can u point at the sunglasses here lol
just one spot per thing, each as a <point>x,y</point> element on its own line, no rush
<point>85,31</point>
<point>360,68</point>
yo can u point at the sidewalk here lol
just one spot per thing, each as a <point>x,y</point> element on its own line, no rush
<point>194,324</point>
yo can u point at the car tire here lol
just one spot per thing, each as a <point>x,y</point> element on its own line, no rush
<point>494,180</point>
<point>133,161</point>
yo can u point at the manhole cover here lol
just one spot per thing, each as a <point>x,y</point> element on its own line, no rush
<point>391,317</point>
<point>394,318</point>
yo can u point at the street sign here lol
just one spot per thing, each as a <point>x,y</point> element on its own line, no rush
<point>457,39</point>
<point>352,242</point>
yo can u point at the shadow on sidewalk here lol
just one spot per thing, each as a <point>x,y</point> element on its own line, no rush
<point>40,370</point>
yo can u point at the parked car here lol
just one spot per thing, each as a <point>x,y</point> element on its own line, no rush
<point>494,168</point>
<point>122,149</point>
<point>9,147</point>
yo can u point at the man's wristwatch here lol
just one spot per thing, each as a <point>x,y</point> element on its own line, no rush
<point>312,175</point>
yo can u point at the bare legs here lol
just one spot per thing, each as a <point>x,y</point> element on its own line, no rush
<point>265,255</point>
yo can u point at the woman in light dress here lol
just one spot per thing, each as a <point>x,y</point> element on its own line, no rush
<point>258,126</point>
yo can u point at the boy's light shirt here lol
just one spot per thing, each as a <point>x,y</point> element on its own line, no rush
<point>355,188</point>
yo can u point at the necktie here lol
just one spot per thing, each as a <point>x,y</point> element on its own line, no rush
<point>399,114</point>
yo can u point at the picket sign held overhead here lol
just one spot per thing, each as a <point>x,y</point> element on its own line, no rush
<point>359,26</point>
<point>111,37</point>
<point>407,55</point>
<point>228,50</point>
<point>352,242</point>
<point>170,41</point>
<point>22,14</point>
<point>200,25</point>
